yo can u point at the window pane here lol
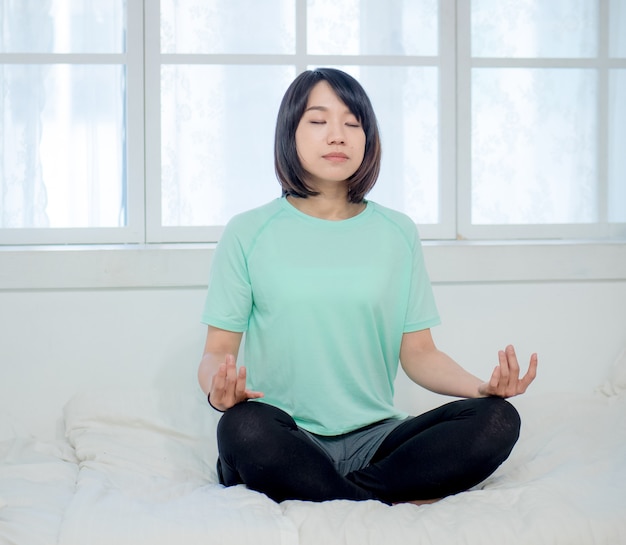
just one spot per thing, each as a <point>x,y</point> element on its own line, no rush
<point>534,28</point>
<point>533,146</point>
<point>372,27</point>
<point>228,26</point>
<point>617,145</point>
<point>217,140</point>
<point>617,28</point>
<point>405,100</point>
<point>63,26</point>
<point>62,160</point>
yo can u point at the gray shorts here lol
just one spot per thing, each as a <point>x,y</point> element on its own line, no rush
<point>353,451</point>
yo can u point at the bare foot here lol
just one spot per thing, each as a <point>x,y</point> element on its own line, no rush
<point>417,502</point>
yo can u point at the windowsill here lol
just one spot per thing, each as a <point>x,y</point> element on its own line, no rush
<point>187,265</point>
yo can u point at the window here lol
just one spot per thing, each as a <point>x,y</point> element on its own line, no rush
<point>222,77</point>
<point>68,109</point>
<point>542,118</point>
<point>146,121</point>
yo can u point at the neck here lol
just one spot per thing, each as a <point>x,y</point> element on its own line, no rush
<point>323,206</point>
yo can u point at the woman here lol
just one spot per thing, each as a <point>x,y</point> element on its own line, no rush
<point>332,293</point>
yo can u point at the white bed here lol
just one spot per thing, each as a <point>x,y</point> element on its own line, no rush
<point>137,467</point>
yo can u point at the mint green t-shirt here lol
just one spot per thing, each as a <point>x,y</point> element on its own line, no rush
<point>323,305</point>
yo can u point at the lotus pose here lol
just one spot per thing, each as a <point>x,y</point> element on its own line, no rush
<point>332,293</point>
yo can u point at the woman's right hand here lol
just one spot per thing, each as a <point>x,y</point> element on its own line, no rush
<point>228,386</point>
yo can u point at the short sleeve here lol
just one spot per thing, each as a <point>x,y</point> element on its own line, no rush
<point>229,295</point>
<point>422,310</point>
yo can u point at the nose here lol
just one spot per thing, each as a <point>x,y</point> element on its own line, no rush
<point>336,134</point>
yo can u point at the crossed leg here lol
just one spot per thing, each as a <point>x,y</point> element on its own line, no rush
<point>441,452</point>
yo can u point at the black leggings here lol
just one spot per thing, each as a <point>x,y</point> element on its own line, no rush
<point>441,452</point>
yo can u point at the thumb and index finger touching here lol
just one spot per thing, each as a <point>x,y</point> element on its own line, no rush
<point>505,380</point>
<point>228,385</point>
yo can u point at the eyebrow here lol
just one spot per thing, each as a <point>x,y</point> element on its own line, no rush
<point>325,109</point>
<point>320,108</point>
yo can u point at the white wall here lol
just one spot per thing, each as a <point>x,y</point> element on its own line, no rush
<point>74,319</point>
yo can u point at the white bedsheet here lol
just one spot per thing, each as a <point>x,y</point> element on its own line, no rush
<point>564,484</point>
<point>36,485</point>
<point>147,476</point>
<point>138,469</point>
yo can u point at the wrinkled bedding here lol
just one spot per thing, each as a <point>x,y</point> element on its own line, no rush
<point>565,483</point>
<point>138,468</point>
<point>147,475</point>
<point>36,486</point>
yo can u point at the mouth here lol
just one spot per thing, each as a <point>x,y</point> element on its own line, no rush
<point>336,157</point>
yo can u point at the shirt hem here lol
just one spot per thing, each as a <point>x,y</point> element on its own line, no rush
<point>420,326</point>
<point>224,325</point>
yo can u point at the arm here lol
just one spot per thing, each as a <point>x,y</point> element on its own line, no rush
<point>217,373</point>
<point>429,367</point>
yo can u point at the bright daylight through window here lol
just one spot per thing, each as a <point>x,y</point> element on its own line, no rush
<point>142,121</point>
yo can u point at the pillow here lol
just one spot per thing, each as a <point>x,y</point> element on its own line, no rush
<point>163,435</point>
<point>147,476</point>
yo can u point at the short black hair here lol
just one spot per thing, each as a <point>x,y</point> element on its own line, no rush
<point>289,170</point>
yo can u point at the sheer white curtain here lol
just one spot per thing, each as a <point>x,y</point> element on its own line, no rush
<point>481,103</point>
<point>62,148</point>
<point>217,119</point>
<point>23,195</point>
<point>535,126</point>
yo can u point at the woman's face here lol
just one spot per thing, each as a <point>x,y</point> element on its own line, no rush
<point>329,139</point>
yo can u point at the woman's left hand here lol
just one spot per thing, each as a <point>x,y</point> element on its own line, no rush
<point>505,380</point>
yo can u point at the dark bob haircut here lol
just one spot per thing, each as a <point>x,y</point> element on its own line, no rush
<point>289,170</point>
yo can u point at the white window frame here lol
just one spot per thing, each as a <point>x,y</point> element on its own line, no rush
<point>143,61</point>
<point>601,229</point>
<point>132,60</point>
<point>157,233</point>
